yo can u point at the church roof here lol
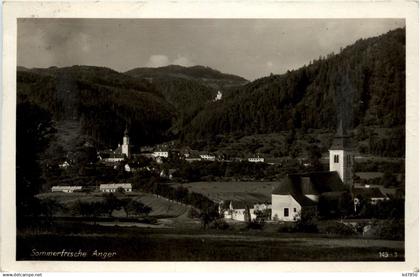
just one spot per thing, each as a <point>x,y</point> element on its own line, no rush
<point>313,183</point>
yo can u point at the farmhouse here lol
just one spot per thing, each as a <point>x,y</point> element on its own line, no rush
<point>114,187</point>
<point>298,194</point>
<point>67,189</point>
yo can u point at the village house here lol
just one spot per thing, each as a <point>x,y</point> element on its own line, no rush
<point>372,195</point>
<point>300,193</point>
<point>160,154</point>
<point>114,187</point>
<point>256,160</point>
<point>66,189</point>
<point>64,165</point>
<point>208,157</point>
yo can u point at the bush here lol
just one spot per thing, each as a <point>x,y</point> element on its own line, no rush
<point>341,229</point>
<point>287,228</point>
<point>389,229</point>
<point>306,226</point>
<point>255,224</point>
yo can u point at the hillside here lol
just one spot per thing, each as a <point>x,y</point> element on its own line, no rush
<point>188,89</point>
<point>100,100</point>
<point>206,75</point>
<point>363,85</point>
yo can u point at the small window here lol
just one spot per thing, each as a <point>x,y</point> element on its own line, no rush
<point>336,159</point>
<point>286,212</point>
<point>294,209</point>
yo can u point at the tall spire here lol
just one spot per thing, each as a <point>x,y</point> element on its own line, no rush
<point>126,130</point>
<point>340,132</point>
<point>341,139</point>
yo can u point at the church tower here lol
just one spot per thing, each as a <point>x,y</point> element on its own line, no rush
<point>125,147</point>
<point>341,156</point>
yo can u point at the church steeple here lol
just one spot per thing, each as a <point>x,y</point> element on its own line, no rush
<point>125,147</point>
<point>341,155</point>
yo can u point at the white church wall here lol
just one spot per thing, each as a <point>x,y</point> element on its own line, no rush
<point>281,202</point>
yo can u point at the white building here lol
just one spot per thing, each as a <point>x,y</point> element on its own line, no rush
<point>218,96</point>
<point>160,154</point>
<point>114,187</point>
<point>207,157</point>
<point>256,160</point>
<point>66,189</point>
<point>64,165</point>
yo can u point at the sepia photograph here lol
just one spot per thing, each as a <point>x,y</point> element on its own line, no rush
<point>210,139</point>
<point>180,136</point>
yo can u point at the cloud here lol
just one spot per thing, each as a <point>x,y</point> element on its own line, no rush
<point>163,60</point>
<point>181,60</point>
<point>158,61</point>
<point>269,64</point>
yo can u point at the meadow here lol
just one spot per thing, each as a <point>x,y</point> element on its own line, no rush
<point>216,191</point>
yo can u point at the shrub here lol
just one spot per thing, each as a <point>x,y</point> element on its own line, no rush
<point>338,228</point>
<point>390,229</point>
<point>255,224</point>
<point>287,228</point>
<point>219,224</point>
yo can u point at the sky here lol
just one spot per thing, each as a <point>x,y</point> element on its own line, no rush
<point>251,48</point>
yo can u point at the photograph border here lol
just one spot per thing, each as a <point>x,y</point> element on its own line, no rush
<point>209,9</point>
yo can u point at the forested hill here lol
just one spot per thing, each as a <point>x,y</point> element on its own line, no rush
<point>188,89</point>
<point>103,101</point>
<point>363,85</point>
<point>205,75</point>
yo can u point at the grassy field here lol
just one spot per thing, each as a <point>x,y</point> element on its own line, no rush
<point>216,191</point>
<point>161,207</point>
<point>140,244</point>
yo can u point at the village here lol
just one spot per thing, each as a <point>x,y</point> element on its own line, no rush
<point>298,194</point>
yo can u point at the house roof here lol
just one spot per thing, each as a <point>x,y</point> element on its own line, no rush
<point>369,192</point>
<point>310,183</point>
<point>115,186</point>
<point>291,186</point>
<point>67,187</point>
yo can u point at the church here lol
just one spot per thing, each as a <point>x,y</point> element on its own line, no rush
<point>121,153</point>
<point>300,193</point>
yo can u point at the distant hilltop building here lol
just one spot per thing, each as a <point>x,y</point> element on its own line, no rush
<point>218,97</point>
<point>300,193</point>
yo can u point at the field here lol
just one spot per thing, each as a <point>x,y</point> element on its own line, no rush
<point>161,207</point>
<point>143,244</point>
<point>217,191</point>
